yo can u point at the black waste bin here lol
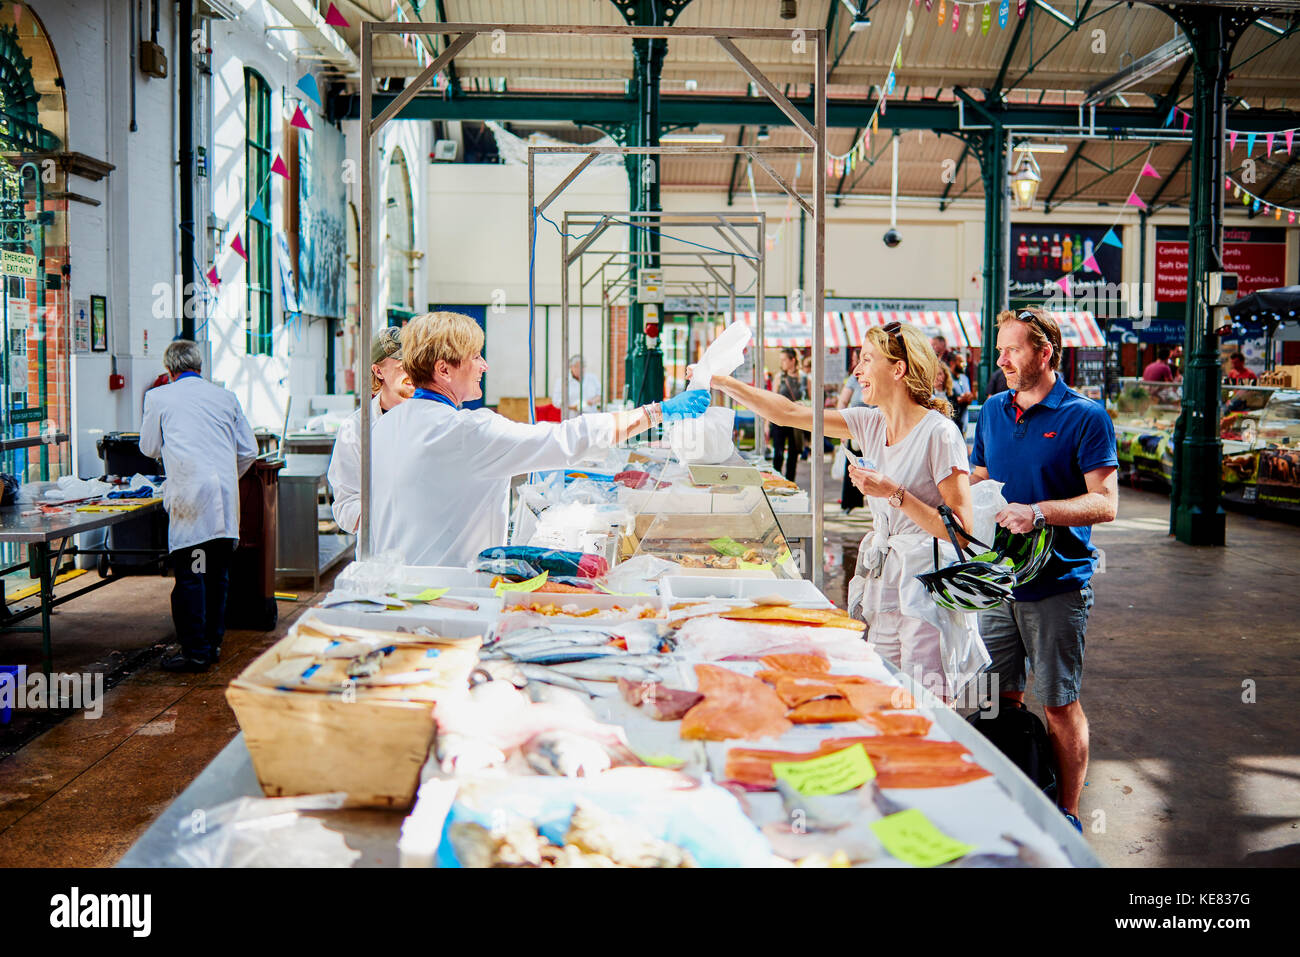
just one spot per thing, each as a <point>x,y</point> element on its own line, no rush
<point>148,533</point>
<point>250,601</point>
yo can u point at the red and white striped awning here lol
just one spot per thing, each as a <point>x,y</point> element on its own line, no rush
<point>946,324</point>
<point>1079,330</point>
<point>794,329</point>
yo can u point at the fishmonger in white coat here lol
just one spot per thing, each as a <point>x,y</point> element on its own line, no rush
<point>440,474</point>
<point>206,444</point>
<point>390,386</point>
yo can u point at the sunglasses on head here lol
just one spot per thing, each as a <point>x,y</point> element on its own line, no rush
<point>1026,316</point>
<point>895,329</point>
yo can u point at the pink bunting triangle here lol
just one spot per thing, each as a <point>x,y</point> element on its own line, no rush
<point>335,19</point>
<point>1289,135</point>
<point>213,278</point>
<point>1149,170</point>
<point>1187,118</point>
<point>1090,264</point>
<point>1232,140</point>
<point>299,120</point>
<point>1268,145</point>
<point>279,167</point>
<point>237,245</point>
<point>1135,200</point>
<point>1064,283</point>
<point>18,14</point>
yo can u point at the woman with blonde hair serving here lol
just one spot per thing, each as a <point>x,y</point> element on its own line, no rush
<point>914,460</point>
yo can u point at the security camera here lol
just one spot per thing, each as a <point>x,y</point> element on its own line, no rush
<point>893,238</point>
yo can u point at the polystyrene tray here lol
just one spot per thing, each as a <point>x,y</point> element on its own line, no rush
<point>800,592</point>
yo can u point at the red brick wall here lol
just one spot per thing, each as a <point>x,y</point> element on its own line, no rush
<point>617,351</point>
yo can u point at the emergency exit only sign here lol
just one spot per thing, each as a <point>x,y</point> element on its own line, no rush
<point>17,264</point>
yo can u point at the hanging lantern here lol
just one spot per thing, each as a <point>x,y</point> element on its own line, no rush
<point>1025,179</point>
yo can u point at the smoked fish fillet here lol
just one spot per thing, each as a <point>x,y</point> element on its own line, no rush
<point>734,706</point>
<point>795,662</point>
<point>823,709</point>
<point>889,722</point>
<point>900,762</point>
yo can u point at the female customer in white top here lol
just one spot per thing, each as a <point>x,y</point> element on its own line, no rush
<point>916,461</point>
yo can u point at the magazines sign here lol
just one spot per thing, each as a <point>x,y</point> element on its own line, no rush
<point>1258,256</point>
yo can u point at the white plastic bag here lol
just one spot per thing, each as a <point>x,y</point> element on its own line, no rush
<point>986,501</point>
<point>840,463</point>
<point>724,355</point>
<point>705,440</point>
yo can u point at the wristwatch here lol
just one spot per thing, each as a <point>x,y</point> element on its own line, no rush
<point>655,413</point>
<point>896,499</point>
<point>1039,520</point>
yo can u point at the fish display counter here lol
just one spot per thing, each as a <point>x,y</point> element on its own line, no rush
<point>709,722</point>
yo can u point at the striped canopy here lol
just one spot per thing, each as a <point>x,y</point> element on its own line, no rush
<point>1078,329</point>
<point>794,329</point>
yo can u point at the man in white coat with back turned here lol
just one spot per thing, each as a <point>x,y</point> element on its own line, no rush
<point>206,444</point>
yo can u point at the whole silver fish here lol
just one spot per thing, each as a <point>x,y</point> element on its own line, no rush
<point>550,676</point>
<point>560,656</point>
<point>631,667</point>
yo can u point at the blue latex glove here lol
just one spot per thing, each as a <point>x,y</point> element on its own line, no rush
<point>686,405</point>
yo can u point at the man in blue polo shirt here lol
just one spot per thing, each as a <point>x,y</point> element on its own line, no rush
<point>1054,450</point>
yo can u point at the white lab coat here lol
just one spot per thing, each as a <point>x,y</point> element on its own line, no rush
<point>345,468</point>
<point>440,477</point>
<point>590,387</point>
<point>206,444</point>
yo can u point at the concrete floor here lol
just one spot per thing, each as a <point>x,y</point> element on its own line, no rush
<point>1184,771</point>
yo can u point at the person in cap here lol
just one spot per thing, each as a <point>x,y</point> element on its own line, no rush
<point>390,386</point>
<point>206,444</point>
<point>580,391</point>
<point>440,475</point>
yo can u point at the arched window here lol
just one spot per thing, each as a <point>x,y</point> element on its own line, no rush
<point>400,238</point>
<point>257,186</point>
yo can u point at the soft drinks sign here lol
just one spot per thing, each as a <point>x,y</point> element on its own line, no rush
<point>1257,255</point>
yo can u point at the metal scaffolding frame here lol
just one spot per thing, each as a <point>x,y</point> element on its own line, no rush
<point>460,35</point>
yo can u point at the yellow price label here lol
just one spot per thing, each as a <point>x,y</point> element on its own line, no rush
<point>912,838</point>
<point>531,585</point>
<point>429,594</point>
<point>661,760</point>
<point>832,773</point>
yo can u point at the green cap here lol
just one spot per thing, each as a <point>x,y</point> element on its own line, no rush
<point>386,345</point>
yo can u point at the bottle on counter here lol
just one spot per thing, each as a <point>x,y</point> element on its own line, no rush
<point>1067,254</point>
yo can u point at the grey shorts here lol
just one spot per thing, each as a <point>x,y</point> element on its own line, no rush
<point>1044,636</point>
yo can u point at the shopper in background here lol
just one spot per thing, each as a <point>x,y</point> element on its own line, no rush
<point>786,441</point>
<point>389,387</point>
<point>850,397</point>
<point>206,444</point>
<point>583,388</point>
<point>440,474</point>
<point>940,346</point>
<point>943,387</point>
<point>1159,371</point>
<point>1055,452</point>
<point>917,462</point>
<point>1237,371</point>
<point>963,391</point>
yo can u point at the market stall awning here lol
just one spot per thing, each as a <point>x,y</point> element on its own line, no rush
<point>794,329</point>
<point>946,324</point>
<point>1078,329</point>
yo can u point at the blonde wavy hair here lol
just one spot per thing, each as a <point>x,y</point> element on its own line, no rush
<point>921,363</point>
<point>452,337</point>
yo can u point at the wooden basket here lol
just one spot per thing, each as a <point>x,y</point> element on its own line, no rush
<point>311,743</point>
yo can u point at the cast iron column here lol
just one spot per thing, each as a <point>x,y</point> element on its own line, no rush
<point>1198,518</point>
<point>993,170</point>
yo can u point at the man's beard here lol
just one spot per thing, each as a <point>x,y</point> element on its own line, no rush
<point>1027,379</point>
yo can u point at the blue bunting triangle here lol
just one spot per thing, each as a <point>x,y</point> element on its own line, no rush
<point>309,88</point>
<point>1110,239</point>
<point>258,212</point>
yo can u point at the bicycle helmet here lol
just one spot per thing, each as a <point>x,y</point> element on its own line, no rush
<point>1027,553</point>
<point>971,583</point>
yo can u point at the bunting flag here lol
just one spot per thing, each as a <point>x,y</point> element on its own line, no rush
<point>1021,7</point>
<point>237,245</point>
<point>942,12</point>
<point>1110,239</point>
<point>307,86</point>
<point>213,278</point>
<point>1149,170</point>
<point>1252,201</point>
<point>18,14</point>
<point>1232,140</point>
<point>970,25</point>
<point>1250,144</point>
<point>1090,265</point>
<point>258,212</point>
<point>1135,200</point>
<point>1187,118</point>
<point>986,19</point>
<point>1004,10</point>
<point>956,15</point>
<point>335,19</point>
<point>1268,145</point>
<point>883,101</point>
<point>1170,118</point>
<point>1064,281</point>
<point>299,120</point>
<point>1289,135</point>
<point>279,167</point>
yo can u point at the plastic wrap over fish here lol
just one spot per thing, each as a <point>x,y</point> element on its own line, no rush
<point>713,639</point>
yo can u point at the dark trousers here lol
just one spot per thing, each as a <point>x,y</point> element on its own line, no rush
<point>199,596</point>
<point>850,497</point>
<point>786,443</point>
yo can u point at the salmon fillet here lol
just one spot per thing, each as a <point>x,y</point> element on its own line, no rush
<point>900,762</point>
<point>867,696</point>
<point>795,691</point>
<point>823,709</point>
<point>898,724</point>
<point>794,662</point>
<point>752,767</point>
<point>734,706</point>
